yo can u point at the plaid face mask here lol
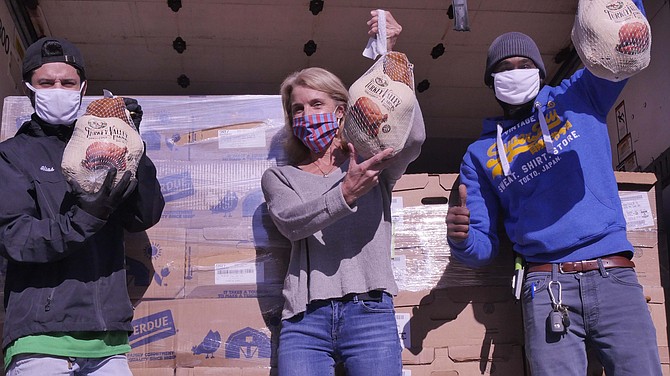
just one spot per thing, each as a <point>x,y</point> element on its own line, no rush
<point>316,131</point>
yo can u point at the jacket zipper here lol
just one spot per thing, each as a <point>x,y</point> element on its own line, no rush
<point>47,307</point>
<point>98,309</point>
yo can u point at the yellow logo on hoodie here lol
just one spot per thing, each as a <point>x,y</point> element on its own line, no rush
<point>526,142</point>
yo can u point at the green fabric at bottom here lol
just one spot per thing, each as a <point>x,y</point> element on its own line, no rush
<point>74,344</point>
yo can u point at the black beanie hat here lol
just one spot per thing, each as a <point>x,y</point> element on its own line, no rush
<point>510,45</point>
<point>52,50</point>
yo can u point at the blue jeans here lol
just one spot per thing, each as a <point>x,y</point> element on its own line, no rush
<point>607,310</point>
<point>361,334</point>
<point>51,365</point>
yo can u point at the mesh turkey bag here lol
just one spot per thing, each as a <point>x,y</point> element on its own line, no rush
<point>612,38</point>
<point>104,137</point>
<point>381,106</point>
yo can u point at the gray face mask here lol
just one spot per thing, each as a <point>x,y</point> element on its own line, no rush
<point>57,106</point>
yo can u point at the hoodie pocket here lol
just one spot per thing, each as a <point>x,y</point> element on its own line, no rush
<point>27,305</point>
<point>555,218</point>
<point>49,193</point>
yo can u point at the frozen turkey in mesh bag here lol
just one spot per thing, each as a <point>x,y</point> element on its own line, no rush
<point>612,38</point>
<point>381,106</point>
<point>104,137</point>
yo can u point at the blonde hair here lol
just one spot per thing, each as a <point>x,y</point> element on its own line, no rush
<point>316,79</point>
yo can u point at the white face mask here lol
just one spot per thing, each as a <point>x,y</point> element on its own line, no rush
<point>57,106</point>
<point>517,86</point>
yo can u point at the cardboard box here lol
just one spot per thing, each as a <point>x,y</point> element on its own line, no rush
<point>638,198</point>
<point>463,316</point>
<point>422,258</point>
<point>224,371</point>
<point>153,371</point>
<point>423,327</point>
<point>218,269</point>
<point>659,318</point>
<point>212,194</point>
<point>155,263</point>
<point>424,189</point>
<point>229,142</point>
<point>244,332</point>
<point>640,204</point>
<point>189,127</point>
<point>201,135</point>
<point>153,343</point>
<point>238,333</point>
<point>500,360</point>
<point>15,111</point>
<point>647,266</point>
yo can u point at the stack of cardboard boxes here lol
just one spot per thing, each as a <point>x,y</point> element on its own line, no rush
<point>648,234</point>
<point>455,320</point>
<point>467,322</point>
<point>206,281</point>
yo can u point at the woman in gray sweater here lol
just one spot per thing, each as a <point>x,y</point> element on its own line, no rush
<point>336,210</point>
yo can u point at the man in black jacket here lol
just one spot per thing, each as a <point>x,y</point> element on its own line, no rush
<point>67,306</point>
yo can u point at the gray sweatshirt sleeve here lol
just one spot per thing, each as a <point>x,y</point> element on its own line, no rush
<point>302,210</point>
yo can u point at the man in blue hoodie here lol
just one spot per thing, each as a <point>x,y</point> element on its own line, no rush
<point>544,170</point>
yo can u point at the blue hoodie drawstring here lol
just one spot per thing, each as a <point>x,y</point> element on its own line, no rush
<point>546,135</point>
<point>502,154</point>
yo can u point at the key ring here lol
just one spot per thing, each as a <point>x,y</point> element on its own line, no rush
<point>560,294</point>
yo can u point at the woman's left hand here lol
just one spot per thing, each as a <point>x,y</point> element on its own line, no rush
<point>361,178</point>
<point>393,28</point>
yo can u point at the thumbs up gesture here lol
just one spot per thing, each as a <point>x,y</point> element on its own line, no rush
<point>458,217</point>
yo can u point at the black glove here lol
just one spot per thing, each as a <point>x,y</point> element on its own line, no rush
<point>102,203</point>
<point>135,111</point>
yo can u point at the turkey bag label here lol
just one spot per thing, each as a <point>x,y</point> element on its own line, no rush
<point>612,38</point>
<point>381,106</point>
<point>103,138</point>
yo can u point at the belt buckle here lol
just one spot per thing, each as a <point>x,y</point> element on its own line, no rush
<point>560,267</point>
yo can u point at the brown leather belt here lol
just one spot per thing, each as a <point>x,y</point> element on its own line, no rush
<point>584,266</point>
